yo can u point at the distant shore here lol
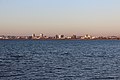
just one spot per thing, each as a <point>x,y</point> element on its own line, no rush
<point>58,37</point>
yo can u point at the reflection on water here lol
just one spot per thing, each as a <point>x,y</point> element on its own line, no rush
<point>60,60</point>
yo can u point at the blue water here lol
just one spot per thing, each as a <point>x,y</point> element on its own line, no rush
<point>60,60</point>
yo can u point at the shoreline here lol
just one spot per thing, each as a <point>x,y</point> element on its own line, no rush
<point>59,39</point>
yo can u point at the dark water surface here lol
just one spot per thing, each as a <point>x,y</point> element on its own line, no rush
<point>60,60</point>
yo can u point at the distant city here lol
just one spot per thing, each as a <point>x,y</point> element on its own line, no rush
<point>58,37</point>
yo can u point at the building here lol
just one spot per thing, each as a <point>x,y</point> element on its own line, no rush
<point>56,36</point>
<point>73,37</point>
<point>87,37</point>
<point>61,36</point>
<point>41,35</point>
<point>33,35</point>
<point>2,37</point>
<point>112,37</point>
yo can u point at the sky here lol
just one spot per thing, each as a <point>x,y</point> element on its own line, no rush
<point>68,17</point>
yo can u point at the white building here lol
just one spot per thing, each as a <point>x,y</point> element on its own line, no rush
<point>60,36</point>
<point>33,35</point>
<point>41,35</point>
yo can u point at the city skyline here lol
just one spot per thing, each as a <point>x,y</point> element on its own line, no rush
<point>58,37</point>
<point>68,17</point>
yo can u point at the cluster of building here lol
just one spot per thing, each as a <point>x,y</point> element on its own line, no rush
<point>61,37</point>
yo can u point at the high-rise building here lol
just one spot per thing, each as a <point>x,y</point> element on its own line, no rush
<point>56,36</point>
<point>73,36</point>
<point>87,36</point>
<point>41,35</point>
<point>60,36</point>
<point>33,36</point>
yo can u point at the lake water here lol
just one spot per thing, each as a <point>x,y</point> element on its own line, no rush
<point>60,60</point>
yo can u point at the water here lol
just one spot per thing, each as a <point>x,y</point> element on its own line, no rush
<point>60,60</point>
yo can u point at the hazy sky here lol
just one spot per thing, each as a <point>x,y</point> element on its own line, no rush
<point>95,17</point>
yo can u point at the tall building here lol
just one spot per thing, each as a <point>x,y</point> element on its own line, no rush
<point>41,35</point>
<point>56,36</point>
<point>60,36</point>
<point>88,36</point>
<point>73,37</point>
<point>33,36</point>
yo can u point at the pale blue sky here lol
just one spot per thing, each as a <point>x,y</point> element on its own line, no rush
<point>95,17</point>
